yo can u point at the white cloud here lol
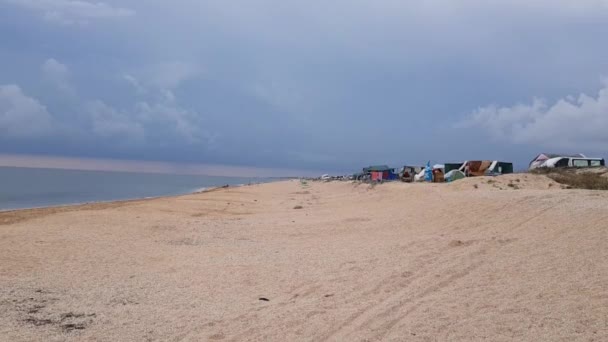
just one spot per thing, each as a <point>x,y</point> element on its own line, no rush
<point>58,74</point>
<point>573,124</point>
<point>170,75</point>
<point>22,116</point>
<point>52,67</point>
<point>553,4</point>
<point>73,11</point>
<point>111,123</point>
<point>172,117</point>
<point>135,83</point>
<point>144,122</point>
<point>168,95</point>
<point>162,77</point>
<point>163,109</point>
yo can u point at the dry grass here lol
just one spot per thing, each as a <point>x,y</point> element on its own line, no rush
<point>589,179</point>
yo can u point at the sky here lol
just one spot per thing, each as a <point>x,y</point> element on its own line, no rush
<point>310,85</point>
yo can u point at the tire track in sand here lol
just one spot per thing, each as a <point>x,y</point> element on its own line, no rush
<point>375,318</point>
<point>404,298</point>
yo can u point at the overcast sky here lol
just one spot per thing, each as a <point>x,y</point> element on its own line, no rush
<point>318,85</point>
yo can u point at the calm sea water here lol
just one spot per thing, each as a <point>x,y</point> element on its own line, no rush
<point>31,188</point>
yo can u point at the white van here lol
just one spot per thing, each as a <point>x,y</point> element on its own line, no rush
<point>573,162</point>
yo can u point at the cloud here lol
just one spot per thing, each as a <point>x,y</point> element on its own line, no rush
<point>153,123</point>
<point>135,83</point>
<point>73,11</point>
<point>569,123</point>
<point>108,122</point>
<point>163,110</point>
<point>169,75</point>
<point>52,67</point>
<point>58,74</point>
<point>22,116</point>
<point>172,118</point>
<point>301,83</point>
<point>157,122</point>
<point>279,95</point>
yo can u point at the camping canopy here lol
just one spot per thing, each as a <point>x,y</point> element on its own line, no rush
<point>376,168</point>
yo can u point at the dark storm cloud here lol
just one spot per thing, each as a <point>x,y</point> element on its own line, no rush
<point>300,84</point>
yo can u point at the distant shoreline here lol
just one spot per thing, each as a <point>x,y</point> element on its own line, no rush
<point>94,204</point>
<point>31,188</point>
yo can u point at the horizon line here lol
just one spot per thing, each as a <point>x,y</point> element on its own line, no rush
<point>146,166</point>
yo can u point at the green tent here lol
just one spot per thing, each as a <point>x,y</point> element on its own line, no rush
<point>454,175</point>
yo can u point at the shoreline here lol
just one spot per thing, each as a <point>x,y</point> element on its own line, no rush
<point>11,216</point>
<point>134,199</point>
<point>34,188</point>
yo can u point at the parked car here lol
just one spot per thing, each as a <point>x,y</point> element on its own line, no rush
<point>564,160</point>
<point>573,162</point>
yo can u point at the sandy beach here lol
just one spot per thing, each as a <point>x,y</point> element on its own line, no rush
<point>513,258</point>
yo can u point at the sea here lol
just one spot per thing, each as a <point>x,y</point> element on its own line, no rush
<point>22,188</point>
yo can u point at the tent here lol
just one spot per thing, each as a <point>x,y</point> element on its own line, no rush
<point>481,167</point>
<point>376,168</point>
<point>380,173</point>
<point>454,175</point>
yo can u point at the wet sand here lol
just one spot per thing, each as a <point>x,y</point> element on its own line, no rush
<point>514,258</point>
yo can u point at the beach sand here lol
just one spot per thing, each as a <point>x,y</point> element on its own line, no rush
<point>480,259</point>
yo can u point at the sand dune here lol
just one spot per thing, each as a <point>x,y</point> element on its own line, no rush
<point>465,261</point>
<point>507,182</point>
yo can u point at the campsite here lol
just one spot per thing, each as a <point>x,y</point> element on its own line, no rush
<point>570,169</point>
